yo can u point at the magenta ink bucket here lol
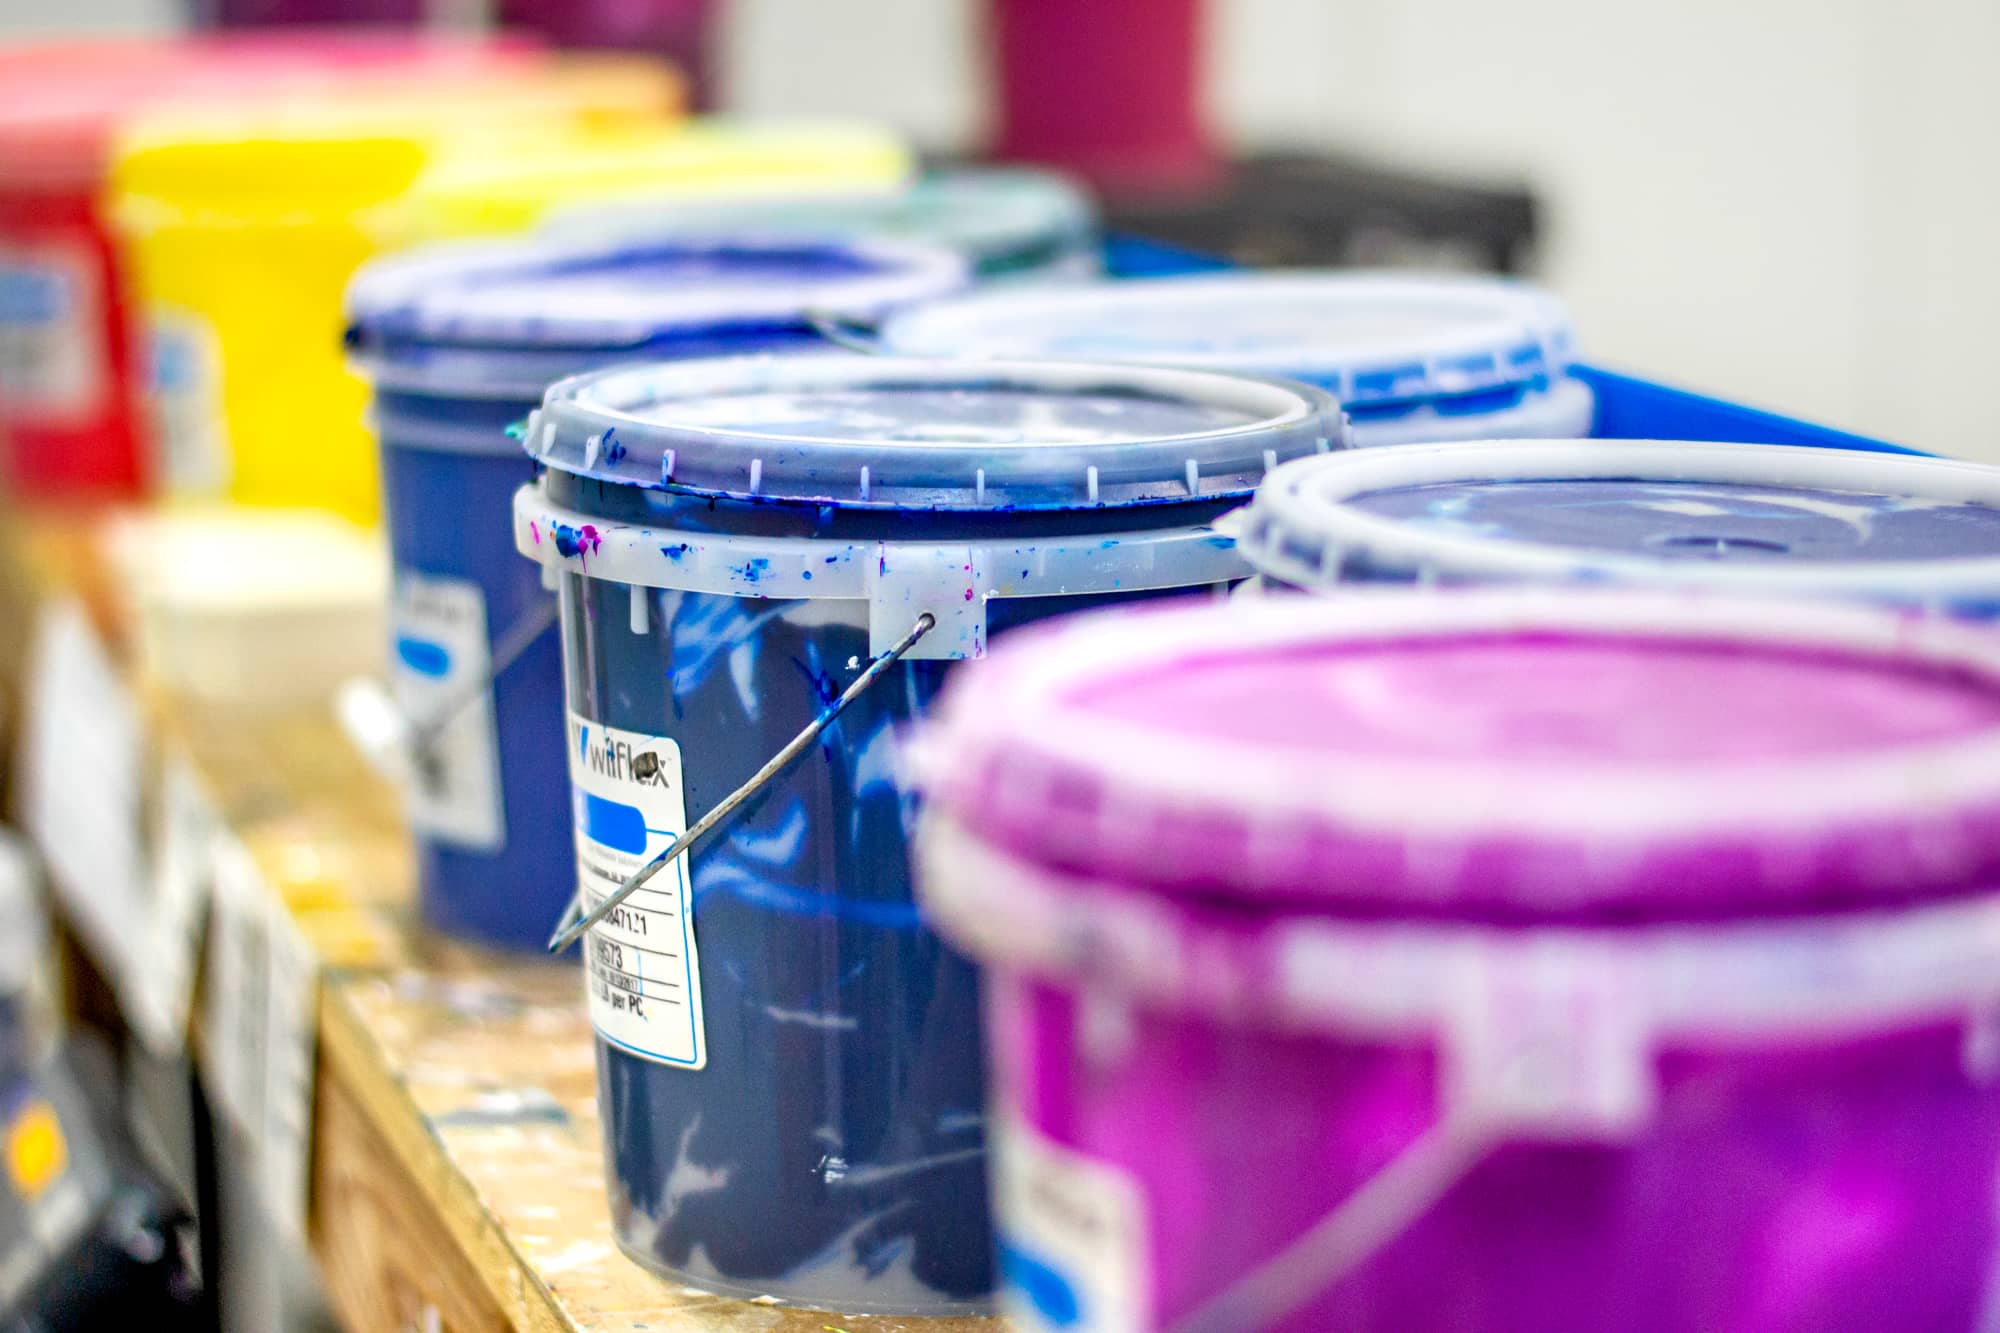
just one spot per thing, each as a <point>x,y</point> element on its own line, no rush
<point>1493,960</point>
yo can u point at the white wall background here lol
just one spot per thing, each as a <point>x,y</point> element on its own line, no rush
<point>1793,202</point>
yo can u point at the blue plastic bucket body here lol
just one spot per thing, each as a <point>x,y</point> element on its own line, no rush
<point>461,342</point>
<point>447,518</point>
<point>789,1060</point>
<point>830,1151</point>
<point>447,502</point>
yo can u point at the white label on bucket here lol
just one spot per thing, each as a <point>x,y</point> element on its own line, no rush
<point>50,311</point>
<point>441,656</point>
<point>644,975</point>
<point>1072,1238</point>
<point>184,393</point>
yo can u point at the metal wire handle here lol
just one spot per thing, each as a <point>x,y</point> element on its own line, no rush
<point>846,331</point>
<point>572,926</point>
<point>521,636</point>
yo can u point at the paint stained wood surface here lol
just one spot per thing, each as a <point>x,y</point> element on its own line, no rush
<point>457,1177</point>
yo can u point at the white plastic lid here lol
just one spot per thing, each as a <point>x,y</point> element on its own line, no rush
<point>1766,518</point>
<point>1369,338</point>
<point>930,434</point>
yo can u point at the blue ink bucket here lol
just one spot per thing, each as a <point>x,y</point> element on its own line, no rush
<point>1770,520</point>
<point>789,1062</point>
<point>460,342</point>
<point>1410,358</point>
<point>1010,223</point>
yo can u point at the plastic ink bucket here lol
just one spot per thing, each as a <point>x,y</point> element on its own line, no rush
<point>71,410</point>
<point>1409,358</point>
<point>460,343</point>
<point>241,233</point>
<point>1009,223</point>
<point>789,1073</point>
<point>1768,519</point>
<point>713,158</point>
<point>1401,962</point>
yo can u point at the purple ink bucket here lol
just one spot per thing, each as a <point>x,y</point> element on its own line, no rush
<point>1496,960</point>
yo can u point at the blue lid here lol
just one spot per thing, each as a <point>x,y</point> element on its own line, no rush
<point>892,432</point>
<point>500,317</point>
<point>1370,338</point>
<point>1768,518</point>
<point>1005,220</point>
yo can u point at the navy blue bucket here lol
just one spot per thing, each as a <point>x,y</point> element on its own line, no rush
<point>789,1060</point>
<point>461,342</point>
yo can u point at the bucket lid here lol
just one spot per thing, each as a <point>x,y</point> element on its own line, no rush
<point>1491,755</point>
<point>1370,338</point>
<point>1000,218</point>
<point>68,100</point>
<point>446,318</point>
<point>1772,518</point>
<point>516,188</point>
<point>357,136</point>
<point>905,433</point>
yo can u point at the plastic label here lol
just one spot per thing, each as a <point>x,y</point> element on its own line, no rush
<point>161,994</point>
<point>290,1046</point>
<point>184,382</point>
<point>82,759</point>
<point>236,986</point>
<point>442,662</point>
<point>51,365</point>
<point>643,972</point>
<point>1072,1238</point>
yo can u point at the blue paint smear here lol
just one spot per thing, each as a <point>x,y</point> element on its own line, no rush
<point>424,657</point>
<point>612,823</point>
<point>1050,1294</point>
<point>569,540</point>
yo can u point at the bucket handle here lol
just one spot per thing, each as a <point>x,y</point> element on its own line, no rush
<point>1562,1054</point>
<point>847,331</point>
<point>1347,1235</point>
<point>573,925</point>
<point>507,650</point>
<point>399,746</point>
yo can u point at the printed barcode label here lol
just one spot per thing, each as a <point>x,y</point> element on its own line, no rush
<point>644,975</point>
<point>441,660</point>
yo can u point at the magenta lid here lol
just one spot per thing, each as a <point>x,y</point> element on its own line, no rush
<point>1493,755</point>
